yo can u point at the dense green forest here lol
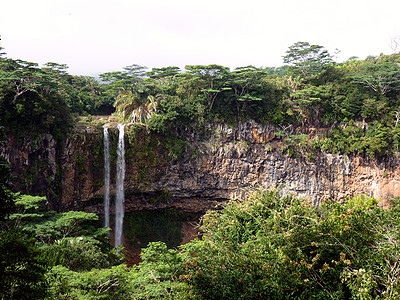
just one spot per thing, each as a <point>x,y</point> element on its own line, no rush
<point>268,246</point>
<point>354,105</point>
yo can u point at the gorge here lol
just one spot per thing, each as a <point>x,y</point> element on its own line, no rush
<point>289,177</point>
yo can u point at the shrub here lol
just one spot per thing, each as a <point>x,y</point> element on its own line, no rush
<point>280,247</point>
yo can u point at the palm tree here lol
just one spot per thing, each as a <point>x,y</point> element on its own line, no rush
<point>135,106</point>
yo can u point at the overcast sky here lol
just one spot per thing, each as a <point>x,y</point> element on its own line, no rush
<point>96,36</point>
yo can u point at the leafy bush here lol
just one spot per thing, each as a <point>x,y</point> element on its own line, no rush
<point>112,283</point>
<point>280,247</point>
<point>154,278</point>
<point>79,254</point>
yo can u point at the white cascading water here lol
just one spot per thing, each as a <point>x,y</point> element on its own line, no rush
<point>106,177</point>
<point>120,196</point>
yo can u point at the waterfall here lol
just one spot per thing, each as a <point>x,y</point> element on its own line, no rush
<point>120,196</point>
<point>106,177</point>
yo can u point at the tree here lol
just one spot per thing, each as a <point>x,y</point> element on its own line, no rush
<point>122,82</point>
<point>156,277</point>
<point>55,69</point>
<point>79,254</point>
<point>6,197</point>
<point>71,239</point>
<point>209,79</point>
<point>111,283</point>
<point>381,78</point>
<point>307,60</point>
<point>134,107</point>
<point>163,72</point>
<point>307,102</point>
<point>30,102</point>
<point>245,83</point>
<point>32,217</point>
<point>135,71</point>
<point>24,76</point>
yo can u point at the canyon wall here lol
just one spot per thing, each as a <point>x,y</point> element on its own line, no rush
<point>193,175</point>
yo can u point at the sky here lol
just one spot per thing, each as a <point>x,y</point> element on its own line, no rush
<point>97,36</point>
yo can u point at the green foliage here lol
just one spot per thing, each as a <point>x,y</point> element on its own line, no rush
<point>268,246</point>
<point>158,274</point>
<point>85,95</point>
<point>174,112</point>
<point>37,100</point>
<point>134,107</point>
<point>307,60</point>
<point>164,73</point>
<point>156,277</point>
<point>112,283</point>
<point>21,268</point>
<point>375,140</point>
<point>280,247</point>
<point>310,90</point>
<point>382,78</point>
<point>29,100</point>
<point>32,217</point>
<point>22,271</point>
<point>71,239</point>
<point>79,254</point>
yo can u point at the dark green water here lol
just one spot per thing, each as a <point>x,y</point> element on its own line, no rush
<point>143,227</point>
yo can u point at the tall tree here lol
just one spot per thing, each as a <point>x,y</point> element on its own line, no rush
<point>307,60</point>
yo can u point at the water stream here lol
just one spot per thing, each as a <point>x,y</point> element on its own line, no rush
<point>120,196</point>
<point>106,177</point>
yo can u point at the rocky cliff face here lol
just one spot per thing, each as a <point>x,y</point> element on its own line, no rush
<point>35,164</point>
<point>212,168</point>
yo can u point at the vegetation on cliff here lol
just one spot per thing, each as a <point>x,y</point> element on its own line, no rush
<point>354,105</point>
<point>355,102</point>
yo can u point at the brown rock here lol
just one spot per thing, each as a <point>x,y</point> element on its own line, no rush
<point>230,163</point>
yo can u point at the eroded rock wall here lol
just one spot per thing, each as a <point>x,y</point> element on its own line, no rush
<point>223,164</point>
<point>233,162</point>
<point>35,164</point>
